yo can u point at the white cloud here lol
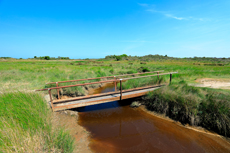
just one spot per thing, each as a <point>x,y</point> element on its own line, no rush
<point>170,15</point>
<point>138,41</point>
<point>175,17</point>
<point>166,14</point>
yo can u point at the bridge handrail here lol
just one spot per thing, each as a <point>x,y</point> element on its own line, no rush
<point>103,77</point>
<point>102,82</point>
<point>104,94</point>
<point>149,75</point>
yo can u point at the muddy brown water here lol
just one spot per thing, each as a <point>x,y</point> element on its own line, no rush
<point>117,128</point>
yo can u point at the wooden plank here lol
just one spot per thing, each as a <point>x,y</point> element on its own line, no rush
<point>85,103</point>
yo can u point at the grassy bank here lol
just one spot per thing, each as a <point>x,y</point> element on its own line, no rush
<point>209,108</point>
<point>25,125</point>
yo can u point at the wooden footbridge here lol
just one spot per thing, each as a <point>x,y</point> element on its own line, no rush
<point>62,104</point>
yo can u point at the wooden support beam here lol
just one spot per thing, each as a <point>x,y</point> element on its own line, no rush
<point>170,77</point>
<point>120,89</point>
<point>115,83</point>
<point>57,90</point>
<point>51,100</point>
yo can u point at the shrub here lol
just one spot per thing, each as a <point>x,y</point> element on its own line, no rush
<point>118,58</point>
<point>131,72</point>
<point>111,71</point>
<point>143,69</point>
<point>47,57</point>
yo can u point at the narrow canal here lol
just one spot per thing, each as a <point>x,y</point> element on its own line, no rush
<point>115,127</point>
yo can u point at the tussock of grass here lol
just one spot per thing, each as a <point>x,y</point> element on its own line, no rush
<point>197,106</point>
<point>25,125</point>
<point>214,112</point>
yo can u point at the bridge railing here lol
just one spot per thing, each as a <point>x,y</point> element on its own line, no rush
<point>115,80</point>
<point>106,77</point>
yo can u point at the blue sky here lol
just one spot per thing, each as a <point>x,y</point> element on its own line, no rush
<point>94,29</point>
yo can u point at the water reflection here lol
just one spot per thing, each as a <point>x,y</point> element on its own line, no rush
<point>115,127</point>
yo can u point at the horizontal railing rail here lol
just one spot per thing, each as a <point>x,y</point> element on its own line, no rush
<point>149,76</point>
<point>75,85</point>
<point>104,77</point>
<point>102,81</point>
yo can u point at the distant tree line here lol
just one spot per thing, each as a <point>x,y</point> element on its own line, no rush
<point>5,57</point>
<point>157,57</point>
<point>51,58</point>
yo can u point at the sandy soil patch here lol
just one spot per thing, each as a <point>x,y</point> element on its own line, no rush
<point>213,83</point>
<point>68,120</point>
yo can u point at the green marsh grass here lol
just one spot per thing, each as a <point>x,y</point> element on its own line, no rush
<point>204,107</point>
<point>26,125</point>
<point>33,74</point>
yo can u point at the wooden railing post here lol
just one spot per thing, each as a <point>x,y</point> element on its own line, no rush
<point>120,89</point>
<point>158,75</point>
<point>170,78</point>
<point>51,101</point>
<point>57,90</point>
<point>115,83</point>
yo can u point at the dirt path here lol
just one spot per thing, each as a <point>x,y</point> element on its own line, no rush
<point>213,83</point>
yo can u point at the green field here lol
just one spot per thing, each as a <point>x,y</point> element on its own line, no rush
<point>25,75</point>
<point>25,111</point>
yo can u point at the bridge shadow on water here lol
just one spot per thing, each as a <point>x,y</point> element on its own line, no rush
<point>103,106</point>
<point>109,105</point>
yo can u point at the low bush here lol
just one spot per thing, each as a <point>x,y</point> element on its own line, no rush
<point>111,71</point>
<point>143,69</point>
<point>131,72</point>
